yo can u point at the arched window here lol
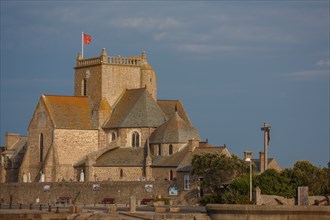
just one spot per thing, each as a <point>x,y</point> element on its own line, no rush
<point>135,139</point>
<point>170,149</point>
<point>41,147</point>
<point>84,87</point>
<point>111,136</point>
<point>121,173</point>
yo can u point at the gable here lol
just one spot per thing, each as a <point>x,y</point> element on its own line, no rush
<point>136,108</point>
<point>170,107</point>
<point>41,117</point>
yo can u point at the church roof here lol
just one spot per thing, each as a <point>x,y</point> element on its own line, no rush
<point>17,147</point>
<point>170,160</point>
<point>204,148</point>
<point>70,112</point>
<point>169,107</point>
<point>175,130</point>
<point>122,157</point>
<point>136,108</point>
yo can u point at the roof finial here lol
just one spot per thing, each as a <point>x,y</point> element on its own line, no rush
<point>79,57</point>
<point>144,58</point>
<point>104,52</point>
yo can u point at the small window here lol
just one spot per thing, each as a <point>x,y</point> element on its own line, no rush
<point>186,183</point>
<point>159,150</point>
<point>171,174</point>
<point>111,136</point>
<point>170,149</point>
<point>135,139</point>
<point>121,173</point>
<point>84,87</point>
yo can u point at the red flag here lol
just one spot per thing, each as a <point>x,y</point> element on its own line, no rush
<point>87,39</point>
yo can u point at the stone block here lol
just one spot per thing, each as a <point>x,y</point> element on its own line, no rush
<point>160,210</point>
<point>174,209</point>
<point>112,209</point>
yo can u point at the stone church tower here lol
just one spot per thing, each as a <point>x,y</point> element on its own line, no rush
<point>104,79</point>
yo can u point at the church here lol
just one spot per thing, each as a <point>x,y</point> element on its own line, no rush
<point>114,128</point>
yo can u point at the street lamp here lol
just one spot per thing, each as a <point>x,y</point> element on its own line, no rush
<point>250,161</point>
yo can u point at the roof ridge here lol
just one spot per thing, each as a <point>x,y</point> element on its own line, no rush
<point>49,95</point>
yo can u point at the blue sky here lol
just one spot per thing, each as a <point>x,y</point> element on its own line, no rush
<point>233,64</point>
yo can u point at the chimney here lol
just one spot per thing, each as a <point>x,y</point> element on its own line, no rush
<point>261,162</point>
<point>192,144</point>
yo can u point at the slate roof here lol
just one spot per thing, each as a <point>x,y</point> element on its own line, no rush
<point>136,108</point>
<point>17,147</point>
<point>170,160</point>
<point>175,130</point>
<point>70,112</point>
<point>256,162</point>
<point>122,157</point>
<point>204,148</point>
<point>169,107</point>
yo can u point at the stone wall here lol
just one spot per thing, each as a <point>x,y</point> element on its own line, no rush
<point>40,126</point>
<point>118,173</point>
<point>243,212</point>
<point>82,193</point>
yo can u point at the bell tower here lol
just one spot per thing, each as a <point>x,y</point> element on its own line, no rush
<point>104,79</point>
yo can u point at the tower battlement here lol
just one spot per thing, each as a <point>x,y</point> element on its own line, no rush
<point>114,60</point>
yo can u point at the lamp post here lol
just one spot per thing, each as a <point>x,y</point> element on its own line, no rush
<point>250,161</point>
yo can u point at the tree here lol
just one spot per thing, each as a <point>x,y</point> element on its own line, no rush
<point>307,174</point>
<point>286,182</point>
<point>217,172</point>
<point>272,182</point>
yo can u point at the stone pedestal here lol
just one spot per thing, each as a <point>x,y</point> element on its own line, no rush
<point>112,209</point>
<point>132,204</point>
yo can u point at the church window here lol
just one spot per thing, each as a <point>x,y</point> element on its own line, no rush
<point>111,136</point>
<point>160,150</point>
<point>84,87</point>
<point>186,183</point>
<point>41,147</point>
<point>121,173</point>
<point>135,139</point>
<point>171,175</point>
<point>170,149</point>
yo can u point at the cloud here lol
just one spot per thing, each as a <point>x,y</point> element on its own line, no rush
<point>147,23</point>
<point>324,62</point>
<point>309,74</point>
<point>204,48</point>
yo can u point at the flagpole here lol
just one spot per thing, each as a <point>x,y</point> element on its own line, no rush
<point>82,44</point>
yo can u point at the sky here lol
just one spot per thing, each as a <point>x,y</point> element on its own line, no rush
<point>233,64</point>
